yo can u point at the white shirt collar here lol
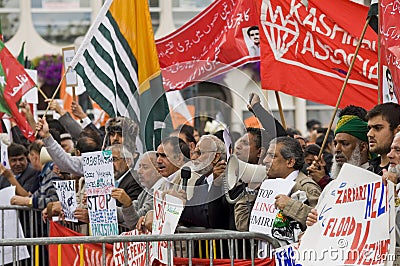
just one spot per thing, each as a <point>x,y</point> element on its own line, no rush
<point>210,180</point>
<point>157,184</point>
<point>171,177</point>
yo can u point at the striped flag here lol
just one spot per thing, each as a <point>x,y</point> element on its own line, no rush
<point>118,63</point>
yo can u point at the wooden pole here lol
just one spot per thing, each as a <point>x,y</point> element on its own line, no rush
<point>54,95</point>
<point>380,70</point>
<point>344,86</point>
<point>74,94</point>
<point>278,100</point>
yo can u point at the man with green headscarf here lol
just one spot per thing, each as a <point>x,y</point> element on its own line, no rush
<point>350,143</point>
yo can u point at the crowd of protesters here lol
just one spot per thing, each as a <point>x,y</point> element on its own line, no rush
<point>364,138</point>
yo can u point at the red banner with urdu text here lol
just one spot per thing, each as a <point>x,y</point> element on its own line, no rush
<point>14,83</point>
<point>215,41</point>
<point>306,52</point>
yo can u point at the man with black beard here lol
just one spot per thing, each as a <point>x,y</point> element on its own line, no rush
<point>383,124</point>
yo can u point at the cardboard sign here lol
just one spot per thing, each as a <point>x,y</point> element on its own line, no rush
<point>264,212</point>
<point>165,219</point>
<point>353,222</point>
<point>71,79</point>
<point>10,230</point>
<point>67,196</point>
<point>99,180</point>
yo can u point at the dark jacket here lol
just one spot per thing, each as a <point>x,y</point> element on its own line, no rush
<point>131,187</point>
<point>29,180</point>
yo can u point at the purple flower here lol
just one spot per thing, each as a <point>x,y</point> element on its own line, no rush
<point>49,69</point>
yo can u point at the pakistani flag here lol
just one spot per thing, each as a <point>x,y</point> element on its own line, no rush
<point>14,83</point>
<point>119,66</point>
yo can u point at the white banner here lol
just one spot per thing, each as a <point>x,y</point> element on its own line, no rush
<point>353,225</point>
<point>136,251</point>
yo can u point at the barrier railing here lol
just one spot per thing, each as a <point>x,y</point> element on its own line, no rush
<point>228,236</point>
<point>187,242</point>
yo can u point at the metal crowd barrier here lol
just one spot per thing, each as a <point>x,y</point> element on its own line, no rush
<point>32,227</point>
<point>190,238</point>
<point>187,242</point>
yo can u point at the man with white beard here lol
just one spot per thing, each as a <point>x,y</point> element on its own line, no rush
<point>351,146</point>
<point>393,175</point>
<point>207,153</point>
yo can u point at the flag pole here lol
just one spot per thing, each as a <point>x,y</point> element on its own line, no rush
<point>42,92</point>
<point>54,95</point>
<point>344,86</point>
<point>380,70</point>
<point>278,100</point>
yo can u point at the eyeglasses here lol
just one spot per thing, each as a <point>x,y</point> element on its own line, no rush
<point>199,152</point>
<point>116,159</point>
<point>254,34</point>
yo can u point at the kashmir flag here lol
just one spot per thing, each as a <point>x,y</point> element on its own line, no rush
<point>306,51</point>
<point>14,83</point>
<point>119,65</point>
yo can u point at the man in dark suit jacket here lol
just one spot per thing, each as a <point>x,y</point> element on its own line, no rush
<point>125,177</point>
<point>21,168</point>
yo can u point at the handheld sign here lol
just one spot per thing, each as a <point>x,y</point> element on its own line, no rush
<point>353,221</point>
<point>165,219</point>
<point>99,180</point>
<point>67,196</point>
<point>264,212</point>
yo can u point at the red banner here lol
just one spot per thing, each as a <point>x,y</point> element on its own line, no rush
<point>306,52</point>
<point>70,253</point>
<point>93,253</point>
<point>390,52</point>
<point>215,41</point>
<point>14,82</point>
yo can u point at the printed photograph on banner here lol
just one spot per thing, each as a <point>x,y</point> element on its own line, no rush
<point>251,36</point>
<point>388,91</point>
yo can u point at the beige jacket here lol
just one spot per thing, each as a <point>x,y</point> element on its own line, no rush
<point>294,209</point>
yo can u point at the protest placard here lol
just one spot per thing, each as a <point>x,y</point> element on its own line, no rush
<point>99,180</point>
<point>11,231</point>
<point>353,226</point>
<point>165,219</point>
<point>136,251</point>
<point>264,212</point>
<point>67,196</point>
<point>4,155</point>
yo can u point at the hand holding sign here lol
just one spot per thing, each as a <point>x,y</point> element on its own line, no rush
<point>312,217</point>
